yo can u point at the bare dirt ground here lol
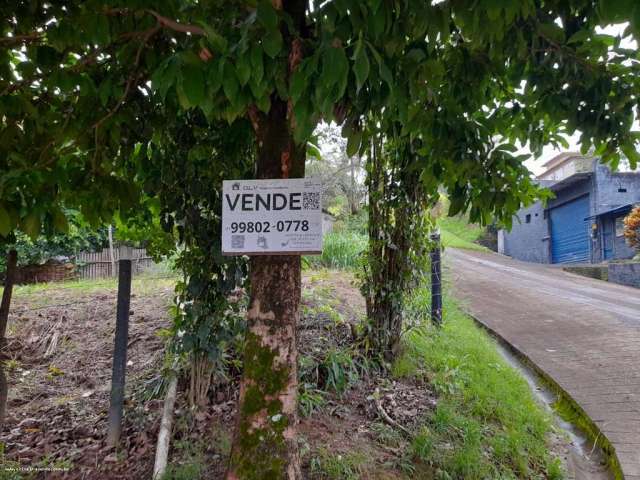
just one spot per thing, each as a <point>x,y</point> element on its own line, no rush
<point>60,346</point>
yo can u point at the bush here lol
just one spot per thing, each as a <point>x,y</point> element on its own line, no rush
<point>632,228</point>
<point>37,252</point>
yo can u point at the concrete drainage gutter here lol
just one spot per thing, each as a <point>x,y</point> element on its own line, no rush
<point>586,428</point>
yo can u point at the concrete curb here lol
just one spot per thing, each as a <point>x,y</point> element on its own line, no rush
<point>592,430</point>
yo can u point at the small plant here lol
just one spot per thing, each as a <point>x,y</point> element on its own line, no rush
<point>341,370</point>
<point>387,435</point>
<point>341,250</point>
<point>311,399</point>
<point>632,229</point>
<point>345,466</point>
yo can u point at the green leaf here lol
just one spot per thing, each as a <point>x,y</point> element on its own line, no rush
<point>31,225</point>
<point>230,84</point>
<point>214,77</point>
<point>551,31</point>
<point>243,69</point>
<point>257,65</point>
<point>335,68</point>
<point>5,222</point>
<point>361,65</point>
<point>579,36</point>
<point>104,91</point>
<point>272,43</point>
<point>217,41</point>
<point>353,144</point>
<point>165,76</point>
<point>297,84</point>
<point>60,221</point>
<point>264,103</point>
<point>193,84</point>
<point>267,15</point>
<point>632,155</point>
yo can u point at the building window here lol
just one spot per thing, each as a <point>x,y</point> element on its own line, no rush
<point>619,226</point>
<point>622,190</point>
<point>527,219</point>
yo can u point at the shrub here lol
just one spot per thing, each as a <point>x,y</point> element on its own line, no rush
<point>632,228</point>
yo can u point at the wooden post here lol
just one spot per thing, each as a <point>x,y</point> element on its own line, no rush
<point>9,280</point>
<point>120,353</point>
<point>436,281</point>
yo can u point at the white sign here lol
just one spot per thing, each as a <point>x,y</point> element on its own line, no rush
<point>263,217</point>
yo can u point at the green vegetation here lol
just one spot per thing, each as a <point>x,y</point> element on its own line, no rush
<point>344,245</point>
<point>486,424</point>
<point>457,232</point>
<point>328,465</point>
<point>140,285</point>
<point>340,250</point>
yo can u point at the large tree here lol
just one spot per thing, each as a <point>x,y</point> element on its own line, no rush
<point>81,84</point>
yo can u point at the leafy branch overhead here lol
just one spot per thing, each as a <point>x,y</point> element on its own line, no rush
<point>84,84</point>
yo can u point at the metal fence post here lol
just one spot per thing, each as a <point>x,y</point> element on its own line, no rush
<point>120,352</point>
<point>436,280</point>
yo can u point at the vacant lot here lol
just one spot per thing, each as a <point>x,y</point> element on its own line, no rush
<point>431,416</point>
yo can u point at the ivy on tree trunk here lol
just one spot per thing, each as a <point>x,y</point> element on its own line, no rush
<point>398,240</point>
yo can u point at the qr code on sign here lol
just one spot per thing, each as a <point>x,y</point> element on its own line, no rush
<point>237,241</point>
<point>311,200</point>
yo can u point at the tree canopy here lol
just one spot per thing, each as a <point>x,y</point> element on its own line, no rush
<point>81,83</point>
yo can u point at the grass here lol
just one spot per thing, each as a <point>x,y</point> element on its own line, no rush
<point>487,423</point>
<point>343,247</point>
<point>346,466</point>
<point>456,232</point>
<point>140,285</point>
<point>340,250</point>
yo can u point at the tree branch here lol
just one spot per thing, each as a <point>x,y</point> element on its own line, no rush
<point>18,39</point>
<point>178,27</point>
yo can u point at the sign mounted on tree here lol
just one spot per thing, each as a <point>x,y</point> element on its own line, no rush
<point>267,217</point>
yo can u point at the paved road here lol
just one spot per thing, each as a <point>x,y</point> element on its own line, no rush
<point>583,333</point>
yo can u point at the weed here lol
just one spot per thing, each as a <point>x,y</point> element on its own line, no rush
<point>310,399</point>
<point>387,436</point>
<point>340,250</point>
<point>332,466</point>
<point>341,370</point>
<point>11,365</point>
<point>191,463</point>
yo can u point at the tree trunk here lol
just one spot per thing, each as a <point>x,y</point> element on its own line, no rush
<point>12,260</point>
<point>353,206</point>
<point>265,443</point>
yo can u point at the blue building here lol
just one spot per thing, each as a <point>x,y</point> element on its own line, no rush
<point>583,223</point>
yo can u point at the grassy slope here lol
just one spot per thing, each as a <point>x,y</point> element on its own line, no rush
<point>457,233</point>
<point>487,423</point>
<point>342,247</point>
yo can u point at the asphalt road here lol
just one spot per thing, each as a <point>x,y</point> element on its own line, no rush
<point>582,333</point>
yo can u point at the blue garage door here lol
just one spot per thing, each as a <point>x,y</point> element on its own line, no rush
<point>570,232</point>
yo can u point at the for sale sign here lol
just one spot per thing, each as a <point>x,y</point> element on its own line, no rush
<point>266,217</point>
